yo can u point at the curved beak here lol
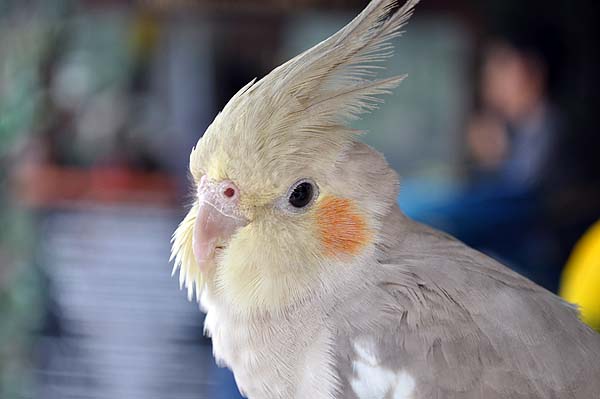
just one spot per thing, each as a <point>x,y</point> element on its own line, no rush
<point>217,220</point>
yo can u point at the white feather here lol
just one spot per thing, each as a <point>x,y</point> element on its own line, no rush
<point>374,381</point>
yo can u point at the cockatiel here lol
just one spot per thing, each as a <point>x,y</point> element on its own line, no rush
<point>317,286</point>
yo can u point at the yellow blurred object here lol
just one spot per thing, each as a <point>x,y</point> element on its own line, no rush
<point>581,278</point>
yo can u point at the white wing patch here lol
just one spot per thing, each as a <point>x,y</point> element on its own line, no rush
<point>405,386</point>
<point>374,381</point>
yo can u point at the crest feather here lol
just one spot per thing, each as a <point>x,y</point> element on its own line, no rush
<point>338,73</point>
<point>318,91</point>
<point>295,117</point>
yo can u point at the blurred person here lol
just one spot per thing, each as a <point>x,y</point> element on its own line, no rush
<point>512,145</point>
<point>511,140</point>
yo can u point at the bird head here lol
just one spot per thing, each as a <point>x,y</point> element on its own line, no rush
<point>286,198</point>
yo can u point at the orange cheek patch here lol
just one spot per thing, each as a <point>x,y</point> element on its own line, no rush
<point>343,230</point>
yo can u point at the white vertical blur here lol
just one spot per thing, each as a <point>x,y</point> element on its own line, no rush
<point>121,327</point>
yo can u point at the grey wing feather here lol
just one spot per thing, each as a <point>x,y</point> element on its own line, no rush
<point>465,326</point>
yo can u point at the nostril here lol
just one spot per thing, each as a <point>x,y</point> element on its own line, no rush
<point>229,192</point>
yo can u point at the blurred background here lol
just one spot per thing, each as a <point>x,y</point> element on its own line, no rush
<point>494,133</point>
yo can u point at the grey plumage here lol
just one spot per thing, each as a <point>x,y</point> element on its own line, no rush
<point>461,324</point>
<point>467,327</point>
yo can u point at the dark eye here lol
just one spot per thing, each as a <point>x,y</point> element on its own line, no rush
<point>302,194</point>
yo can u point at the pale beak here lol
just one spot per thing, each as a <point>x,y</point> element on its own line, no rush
<point>218,219</point>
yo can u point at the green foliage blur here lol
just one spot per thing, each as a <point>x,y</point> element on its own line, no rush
<point>22,47</point>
